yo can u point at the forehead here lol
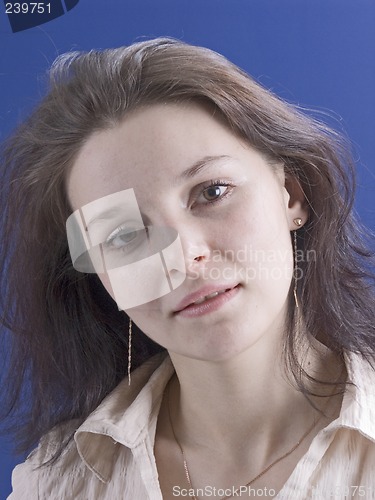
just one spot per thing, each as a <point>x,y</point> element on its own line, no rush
<point>153,144</point>
<point>150,148</point>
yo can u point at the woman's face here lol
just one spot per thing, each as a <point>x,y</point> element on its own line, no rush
<point>231,210</point>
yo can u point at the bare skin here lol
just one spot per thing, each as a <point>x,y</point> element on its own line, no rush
<point>232,406</point>
<point>233,458</point>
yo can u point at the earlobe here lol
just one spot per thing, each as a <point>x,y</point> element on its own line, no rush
<point>297,210</point>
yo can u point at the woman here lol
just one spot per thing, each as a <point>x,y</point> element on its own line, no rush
<point>190,293</point>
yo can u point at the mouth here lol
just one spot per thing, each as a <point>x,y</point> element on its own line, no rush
<point>209,296</point>
<point>206,301</point>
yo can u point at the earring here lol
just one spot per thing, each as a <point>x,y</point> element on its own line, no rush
<point>298,222</point>
<point>295,267</point>
<point>129,350</point>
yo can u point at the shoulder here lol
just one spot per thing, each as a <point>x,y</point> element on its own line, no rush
<point>80,467</point>
<point>35,478</point>
<point>355,427</point>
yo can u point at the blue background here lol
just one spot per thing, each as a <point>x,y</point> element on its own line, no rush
<point>317,53</point>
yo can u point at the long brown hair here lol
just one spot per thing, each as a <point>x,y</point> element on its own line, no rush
<point>68,341</point>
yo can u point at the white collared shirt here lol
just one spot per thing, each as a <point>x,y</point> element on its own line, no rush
<point>112,455</point>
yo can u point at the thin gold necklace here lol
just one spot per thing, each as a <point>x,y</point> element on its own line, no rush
<point>186,468</point>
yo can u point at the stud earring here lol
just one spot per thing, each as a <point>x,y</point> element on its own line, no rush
<point>295,267</point>
<point>298,221</point>
<point>130,350</point>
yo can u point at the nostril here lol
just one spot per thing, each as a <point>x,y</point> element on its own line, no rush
<point>199,258</point>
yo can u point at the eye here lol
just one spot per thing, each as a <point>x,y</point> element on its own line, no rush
<point>124,238</point>
<point>214,192</point>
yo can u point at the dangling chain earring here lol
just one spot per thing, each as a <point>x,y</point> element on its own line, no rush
<point>129,350</point>
<point>297,222</point>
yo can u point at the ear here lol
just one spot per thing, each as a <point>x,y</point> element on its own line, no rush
<point>297,204</point>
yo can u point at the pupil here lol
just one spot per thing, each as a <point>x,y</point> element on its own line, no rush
<point>212,192</point>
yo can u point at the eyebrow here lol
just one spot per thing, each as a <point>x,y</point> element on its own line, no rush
<point>200,165</point>
<point>189,173</point>
<point>109,214</point>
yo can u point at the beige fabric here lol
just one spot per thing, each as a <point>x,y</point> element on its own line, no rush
<point>111,457</point>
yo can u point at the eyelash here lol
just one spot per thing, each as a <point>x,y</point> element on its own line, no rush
<point>214,183</point>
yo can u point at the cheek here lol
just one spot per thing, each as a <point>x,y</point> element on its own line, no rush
<point>141,314</point>
<point>262,247</point>
<point>273,270</point>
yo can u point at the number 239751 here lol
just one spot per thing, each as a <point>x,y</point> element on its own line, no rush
<point>28,8</point>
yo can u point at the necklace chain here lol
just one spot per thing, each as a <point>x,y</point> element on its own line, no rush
<point>272,464</point>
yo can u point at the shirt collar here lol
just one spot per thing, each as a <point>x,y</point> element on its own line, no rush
<point>123,418</point>
<point>358,405</point>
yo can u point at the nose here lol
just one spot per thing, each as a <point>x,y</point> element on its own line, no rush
<point>196,249</point>
<point>195,241</point>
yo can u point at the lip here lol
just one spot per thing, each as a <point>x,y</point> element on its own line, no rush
<point>187,307</point>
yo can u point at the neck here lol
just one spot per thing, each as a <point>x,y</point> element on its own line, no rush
<point>227,405</point>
